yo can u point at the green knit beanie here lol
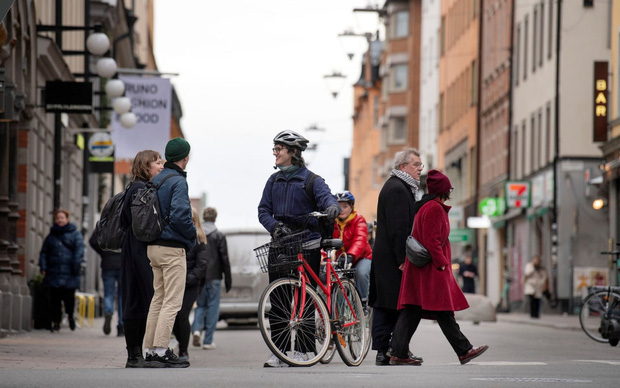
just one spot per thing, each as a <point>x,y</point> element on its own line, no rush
<point>177,149</point>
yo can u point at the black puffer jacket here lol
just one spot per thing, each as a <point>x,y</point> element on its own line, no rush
<point>217,255</point>
<point>196,264</point>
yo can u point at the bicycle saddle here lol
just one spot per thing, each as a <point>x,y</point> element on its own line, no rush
<point>331,243</point>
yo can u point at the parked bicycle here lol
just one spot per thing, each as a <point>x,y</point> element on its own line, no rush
<point>599,314</point>
<point>293,317</point>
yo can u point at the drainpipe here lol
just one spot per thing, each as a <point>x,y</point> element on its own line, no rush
<point>556,156</point>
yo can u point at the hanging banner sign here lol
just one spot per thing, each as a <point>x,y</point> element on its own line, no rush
<point>151,101</point>
<point>600,101</point>
<point>517,194</point>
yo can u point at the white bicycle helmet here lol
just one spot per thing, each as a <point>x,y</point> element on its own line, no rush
<point>292,139</point>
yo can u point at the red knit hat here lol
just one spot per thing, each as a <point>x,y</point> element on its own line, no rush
<point>438,183</point>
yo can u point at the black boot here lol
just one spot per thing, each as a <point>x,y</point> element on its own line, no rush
<point>106,324</point>
<point>135,358</point>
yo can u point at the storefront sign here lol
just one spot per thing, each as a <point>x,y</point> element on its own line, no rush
<point>68,97</point>
<point>517,195</point>
<point>600,101</point>
<point>461,235</point>
<point>492,206</point>
<point>151,101</point>
<point>101,152</point>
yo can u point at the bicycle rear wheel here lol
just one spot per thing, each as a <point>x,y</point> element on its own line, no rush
<point>368,330</point>
<point>286,331</point>
<point>595,307</point>
<point>350,336</point>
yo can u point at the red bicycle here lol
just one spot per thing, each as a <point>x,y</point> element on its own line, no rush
<point>294,318</point>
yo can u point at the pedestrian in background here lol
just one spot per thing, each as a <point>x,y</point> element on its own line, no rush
<point>468,271</point>
<point>207,311</point>
<point>167,256</point>
<point>394,221</point>
<point>351,228</point>
<point>60,262</point>
<point>283,210</point>
<point>431,290</point>
<point>136,272</point>
<point>196,268</point>
<point>112,289</point>
<point>535,282</point>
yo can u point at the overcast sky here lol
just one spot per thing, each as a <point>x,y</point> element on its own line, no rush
<point>249,69</point>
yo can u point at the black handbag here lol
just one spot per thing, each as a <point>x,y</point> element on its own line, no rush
<point>416,253</point>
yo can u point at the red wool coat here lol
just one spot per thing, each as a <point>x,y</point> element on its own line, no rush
<point>354,237</point>
<point>430,287</point>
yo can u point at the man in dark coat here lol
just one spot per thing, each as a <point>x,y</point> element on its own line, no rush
<point>111,277</point>
<point>394,223</point>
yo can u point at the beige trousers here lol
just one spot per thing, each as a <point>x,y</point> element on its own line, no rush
<point>169,271</point>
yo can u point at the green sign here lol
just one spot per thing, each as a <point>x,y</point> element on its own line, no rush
<point>492,206</point>
<point>461,235</point>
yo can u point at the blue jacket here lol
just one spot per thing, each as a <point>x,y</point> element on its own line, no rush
<point>175,208</point>
<point>61,257</point>
<point>286,200</point>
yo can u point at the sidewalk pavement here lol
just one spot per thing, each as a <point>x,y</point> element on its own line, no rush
<point>556,321</point>
<point>88,347</point>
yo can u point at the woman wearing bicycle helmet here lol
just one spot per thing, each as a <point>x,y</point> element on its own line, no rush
<point>352,229</point>
<point>288,197</point>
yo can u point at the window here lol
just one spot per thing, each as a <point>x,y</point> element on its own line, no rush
<point>442,37</point>
<point>441,108</point>
<point>474,82</point>
<point>548,133</point>
<point>539,155</point>
<point>550,37</point>
<point>523,139</point>
<point>397,130</point>
<point>541,45</point>
<point>525,43</point>
<point>517,50</point>
<point>401,24</point>
<point>375,111</point>
<point>532,146</point>
<point>399,78</point>
<point>534,38</point>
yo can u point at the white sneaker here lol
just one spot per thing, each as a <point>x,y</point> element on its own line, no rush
<point>298,356</point>
<point>274,362</point>
<point>209,346</point>
<point>196,339</point>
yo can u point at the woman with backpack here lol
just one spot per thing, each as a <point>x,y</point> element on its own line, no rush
<point>137,275</point>
<point>60,262</point>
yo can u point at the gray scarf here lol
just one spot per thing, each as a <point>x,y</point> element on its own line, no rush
<point>408,179</point>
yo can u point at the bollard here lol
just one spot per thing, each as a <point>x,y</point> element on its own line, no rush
<point>86,304</point>
<point>81,307</point>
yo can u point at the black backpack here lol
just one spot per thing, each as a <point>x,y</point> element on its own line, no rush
<point>108,231</point>
<point>147,222</point>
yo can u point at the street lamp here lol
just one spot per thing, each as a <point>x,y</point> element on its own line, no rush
<point>334,82</point>
<point>98,43</point>
<point>350,42</point>
<point>114,88</point>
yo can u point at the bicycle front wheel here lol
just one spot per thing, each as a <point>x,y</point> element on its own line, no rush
<point>595,307</point>
<point>350,323</point>
<point>295,327</point>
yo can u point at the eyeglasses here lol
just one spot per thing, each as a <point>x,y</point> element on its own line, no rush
<point>451,189</point>
<point>418,165</point>
<point>277,149</point>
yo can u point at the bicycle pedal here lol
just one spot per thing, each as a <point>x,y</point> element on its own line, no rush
<point>337,324</point>
<point>341,340</point>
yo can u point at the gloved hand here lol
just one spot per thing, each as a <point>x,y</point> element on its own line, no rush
<point>228,284</point>
<point>332,211</point>
<point>345,261</point>
<point>281,230</point>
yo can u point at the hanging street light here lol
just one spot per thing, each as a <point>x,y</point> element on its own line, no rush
<point>128,120</point>
<point>98,43</point>
<point>106,67</point>
<point>334,82</point>
<point>121,105</point>
<point>114,88</point>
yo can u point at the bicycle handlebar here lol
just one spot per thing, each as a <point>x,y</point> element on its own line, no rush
<point>317,214</point>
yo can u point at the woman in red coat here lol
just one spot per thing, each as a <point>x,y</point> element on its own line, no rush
<point>353,230</point>
<point>431,290</point>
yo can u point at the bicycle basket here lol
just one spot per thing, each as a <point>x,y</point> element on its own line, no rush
<point>282,255</point>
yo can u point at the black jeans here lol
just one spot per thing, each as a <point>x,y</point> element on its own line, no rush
<point>383,323</point>
<point>182,328</point>
<point>64,295</point>
<point>305,341</point>
<point>534,306</point>
<point>134,332</point>
<point>408,322</point>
